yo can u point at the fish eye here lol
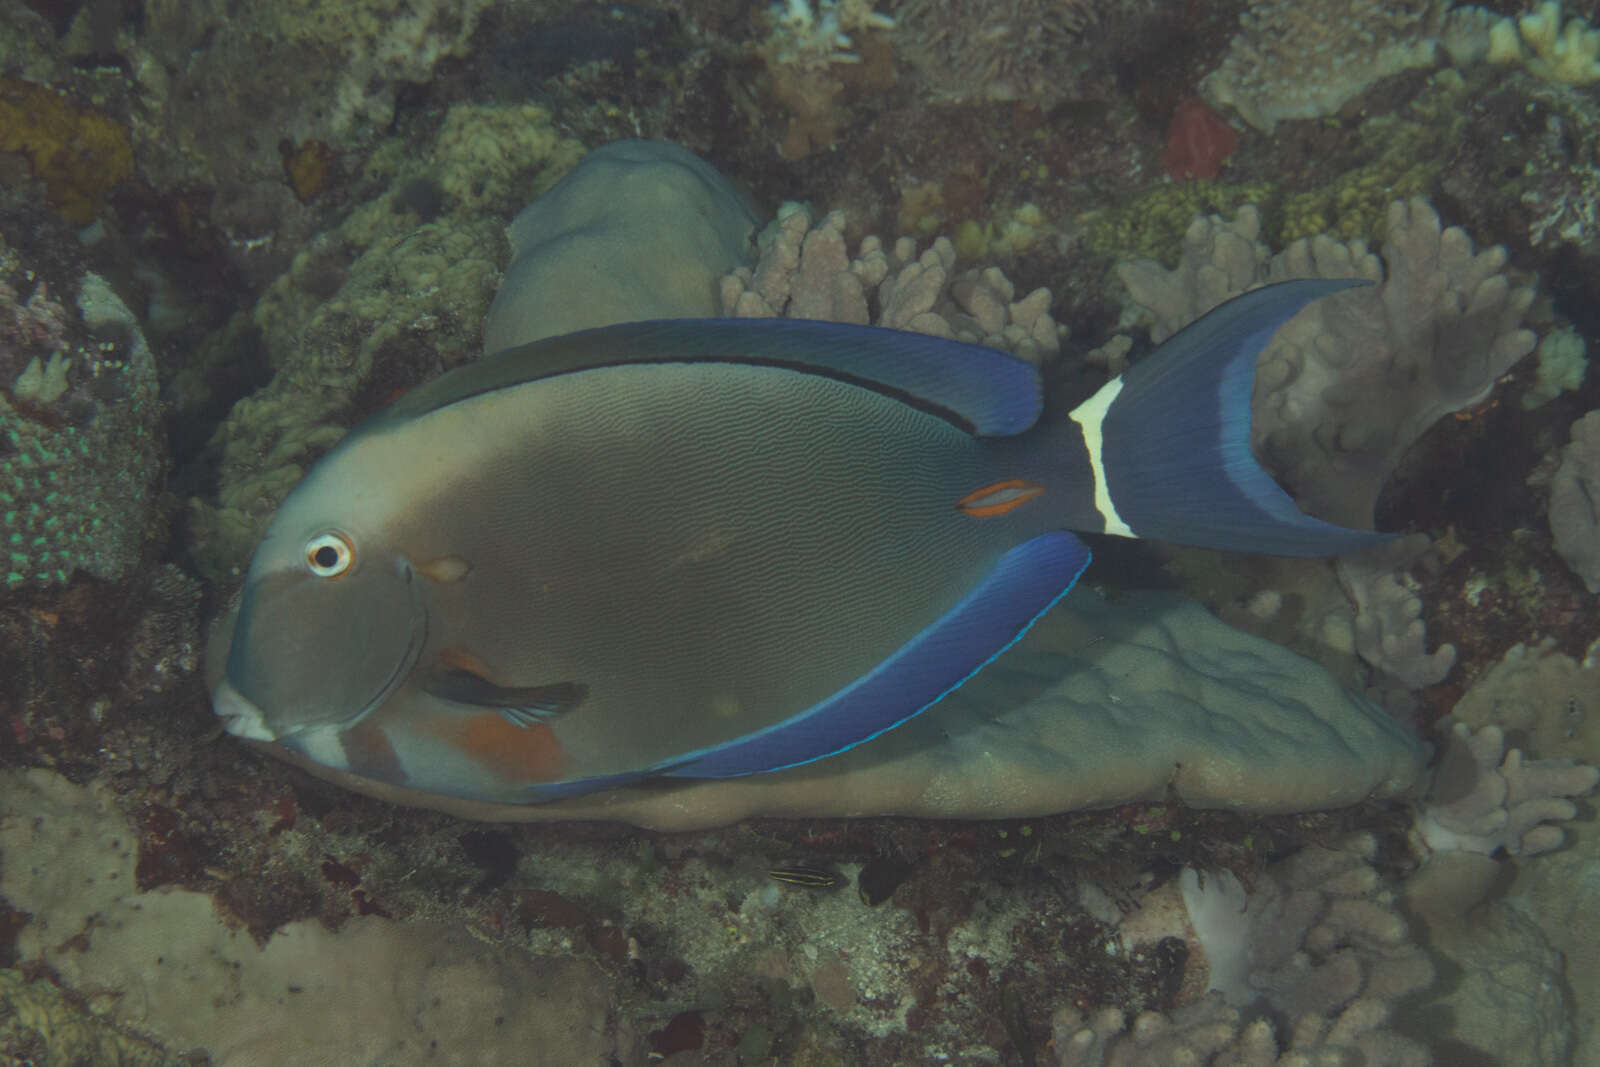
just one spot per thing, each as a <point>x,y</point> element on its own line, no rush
<point>329,555</point>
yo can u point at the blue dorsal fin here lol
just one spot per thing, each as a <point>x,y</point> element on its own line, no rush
<point>1023,585</point>
<point>986,392</point>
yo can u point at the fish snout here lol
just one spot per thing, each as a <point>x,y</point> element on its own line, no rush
<point>239,716</point>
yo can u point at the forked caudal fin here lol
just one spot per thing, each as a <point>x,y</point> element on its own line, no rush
<point>1170,439</point>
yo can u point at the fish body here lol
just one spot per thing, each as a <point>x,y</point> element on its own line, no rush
<point>710,548</point>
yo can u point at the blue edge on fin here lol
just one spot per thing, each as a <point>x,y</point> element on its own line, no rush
<point>1177,437</point>
<point>1228,501</point>
<point>1023,585</point>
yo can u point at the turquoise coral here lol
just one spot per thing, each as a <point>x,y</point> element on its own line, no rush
<point>79,451</point>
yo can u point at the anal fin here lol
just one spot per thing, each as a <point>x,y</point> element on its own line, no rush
<point>1024,584</point>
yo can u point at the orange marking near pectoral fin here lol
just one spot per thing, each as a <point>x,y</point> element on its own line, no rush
<point>369,753</point>
<point>459,659</point>
<point>999,498</point>
<point>522,754</point>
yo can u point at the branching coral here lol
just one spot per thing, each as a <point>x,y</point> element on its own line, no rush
<point>1318,944</point>
<point>1485,798</point>
<point>1347,386</point>
<point>1388,628</point>
<point>1563,52</point>
<point>806,271</point>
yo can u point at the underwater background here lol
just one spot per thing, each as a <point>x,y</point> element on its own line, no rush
<point>1216,809</point>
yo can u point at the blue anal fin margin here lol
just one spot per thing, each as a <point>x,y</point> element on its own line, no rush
<point>1023,585</point>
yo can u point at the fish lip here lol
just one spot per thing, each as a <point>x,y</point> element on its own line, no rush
<point>239,716</point>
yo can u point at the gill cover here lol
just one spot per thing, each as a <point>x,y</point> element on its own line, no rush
<point>312,651</point>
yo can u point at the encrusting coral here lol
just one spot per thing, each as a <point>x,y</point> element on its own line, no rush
<point>1293,60</point>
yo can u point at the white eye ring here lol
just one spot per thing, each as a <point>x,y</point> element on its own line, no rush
<point>329,555</point>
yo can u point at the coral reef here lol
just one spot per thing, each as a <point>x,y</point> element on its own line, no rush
<point>80,443</point>
<point>1486,798</point>
<point>970,50</point>
<point>1540,693</point>
<point>342,172</point>
<point>817,66</point>
<point>1560,51</point>
<point>1317,939</point>
<point>806,272</point>
<point>320,70</point>
<point>175,969</point>
<point>1346,387</point>
<point>1563,363</point>
<point>368,310</point>
<point>1294,61</point>
<point>1574,514</point>
<point>1389,631</point>
<point>76,153</point>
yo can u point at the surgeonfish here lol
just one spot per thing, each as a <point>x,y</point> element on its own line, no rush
<point>717,547</point>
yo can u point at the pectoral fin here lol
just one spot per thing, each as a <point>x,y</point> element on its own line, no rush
<point>519,705</point>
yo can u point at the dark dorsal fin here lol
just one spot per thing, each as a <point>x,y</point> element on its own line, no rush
<point>986,392</point>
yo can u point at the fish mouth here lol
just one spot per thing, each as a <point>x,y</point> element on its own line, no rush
<point>239,716</point>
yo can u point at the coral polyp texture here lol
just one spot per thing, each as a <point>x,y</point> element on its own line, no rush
<point>1348,385</point>
<point>80,447</point>
<point>1294,60</point>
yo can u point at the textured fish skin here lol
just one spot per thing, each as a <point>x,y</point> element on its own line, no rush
<point>724,546</point>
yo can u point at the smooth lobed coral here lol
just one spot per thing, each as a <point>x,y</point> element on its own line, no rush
<point>1575,502</point>
<point>638,230</point>
<point>1292,60</point>
<point>806,271</point>
<point>1346,387</point>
